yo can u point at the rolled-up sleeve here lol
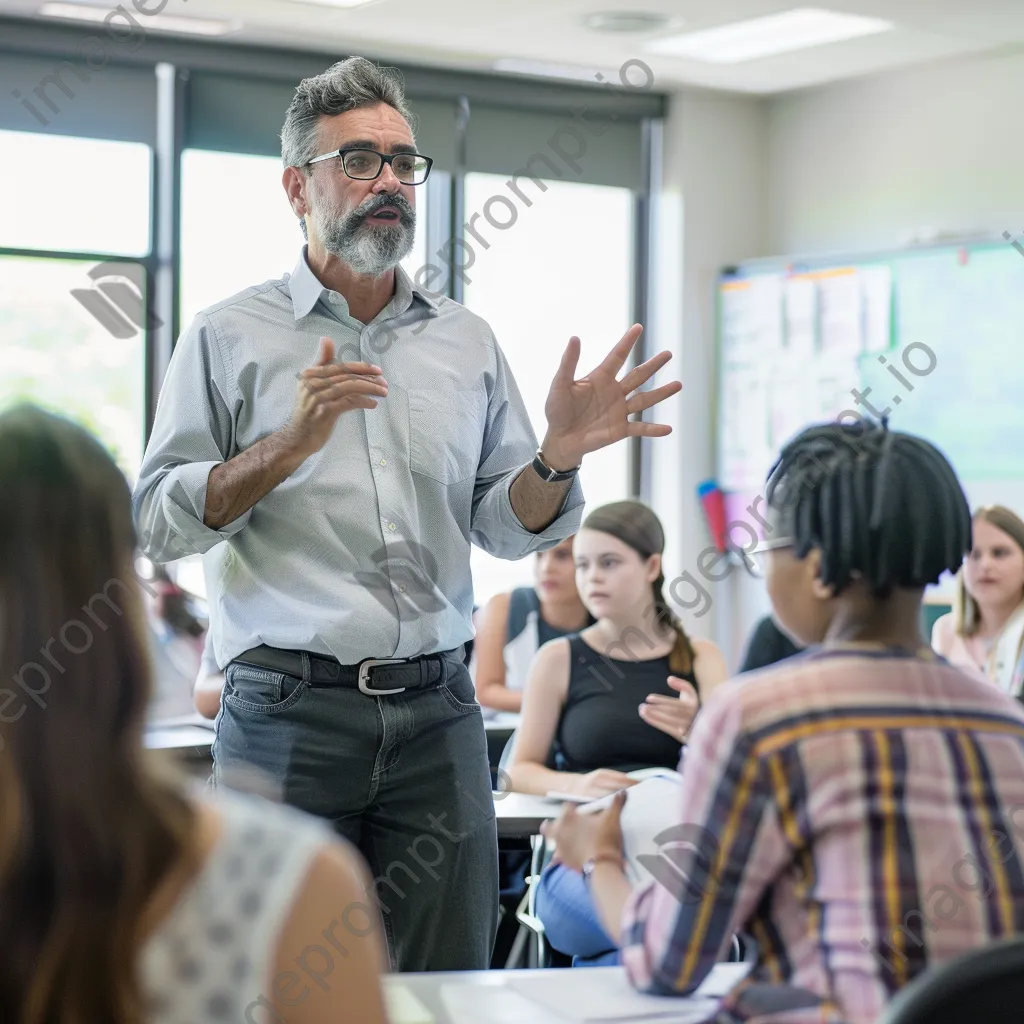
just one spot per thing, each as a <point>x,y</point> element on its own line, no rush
<point>193,431</point>
<point>509,444</point>
<point>715,864</point>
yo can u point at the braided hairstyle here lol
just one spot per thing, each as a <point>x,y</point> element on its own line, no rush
<point>636,525</point>
<point>880,505</point>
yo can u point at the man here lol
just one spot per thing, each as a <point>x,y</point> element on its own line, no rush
<point>349,501</point>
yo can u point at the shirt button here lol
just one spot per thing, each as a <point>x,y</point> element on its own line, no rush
<point>401,587</point>
<point>383,462</point>
<point>333,298</point>
<point>391,526</point>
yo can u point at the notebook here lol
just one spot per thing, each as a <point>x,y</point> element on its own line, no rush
<point>605,996</point>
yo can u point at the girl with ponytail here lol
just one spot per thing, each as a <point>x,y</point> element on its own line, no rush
<point>621,694</point>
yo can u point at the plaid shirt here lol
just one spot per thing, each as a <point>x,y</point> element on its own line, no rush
<point>860,814</point>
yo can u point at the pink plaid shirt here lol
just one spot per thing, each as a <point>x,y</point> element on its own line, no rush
<point>859,814</point>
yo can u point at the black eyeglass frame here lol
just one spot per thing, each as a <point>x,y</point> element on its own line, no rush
<point>385,158</point>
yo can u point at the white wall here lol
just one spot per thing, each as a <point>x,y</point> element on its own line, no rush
<point>711,212</point>
<point>866,164</point>
<point>870,163</point>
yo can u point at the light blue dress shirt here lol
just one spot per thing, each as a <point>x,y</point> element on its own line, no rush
<point>364,550</point>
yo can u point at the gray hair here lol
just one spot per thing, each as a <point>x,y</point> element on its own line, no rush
<point>347,85</point>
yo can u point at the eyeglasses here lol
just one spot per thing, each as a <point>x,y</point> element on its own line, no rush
<point>366,164</point>
<point>758,562</point>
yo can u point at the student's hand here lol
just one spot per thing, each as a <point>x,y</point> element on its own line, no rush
<point>593,412</point>
<point>672,715</point>
<point>600,783</point>
<point>578,837</point>
<point>325,391</point>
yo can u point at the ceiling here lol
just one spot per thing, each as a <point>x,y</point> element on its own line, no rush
<point>472,34</point>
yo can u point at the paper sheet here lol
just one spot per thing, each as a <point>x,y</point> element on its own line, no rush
<point>801,316</point>
<point>606,997</point>
<point>840,325</point>
<point>876,284</point>
<point>403,1007</point>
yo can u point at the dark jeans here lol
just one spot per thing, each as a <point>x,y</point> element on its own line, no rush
<point>403,777</point>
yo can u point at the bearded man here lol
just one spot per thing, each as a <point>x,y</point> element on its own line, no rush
<point>348,492</point>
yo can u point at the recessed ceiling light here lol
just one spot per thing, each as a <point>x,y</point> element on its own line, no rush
<point>629,21</point>
<point>159,22</point>
<point>798,29</point>
<point>576,72</point>
<point>335,3</point>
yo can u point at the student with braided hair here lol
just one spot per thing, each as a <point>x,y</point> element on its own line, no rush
<point>854,808</point>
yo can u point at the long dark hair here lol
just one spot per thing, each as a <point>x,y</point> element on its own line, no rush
<point>88,830</point>
<point>636,525</point>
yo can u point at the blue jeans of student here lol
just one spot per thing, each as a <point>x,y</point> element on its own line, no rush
<point>570,919</point>
<point>403,777</point>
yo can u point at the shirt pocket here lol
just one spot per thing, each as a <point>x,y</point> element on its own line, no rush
<point>444,434</point>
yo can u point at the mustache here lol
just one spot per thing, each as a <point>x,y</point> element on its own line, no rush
<point>372,204</point>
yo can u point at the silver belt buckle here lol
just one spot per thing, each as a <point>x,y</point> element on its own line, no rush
<point>364,671</point>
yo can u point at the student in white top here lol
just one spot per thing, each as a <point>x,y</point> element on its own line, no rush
<point>985,631</point>
<point>514,626</point>
<point>124,897</point>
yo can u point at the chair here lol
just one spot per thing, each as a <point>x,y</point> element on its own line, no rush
<point>984,986</point>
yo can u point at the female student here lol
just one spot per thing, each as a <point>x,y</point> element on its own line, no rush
<point>853,809</point>
<point>514,625</point>
<point>985,631</point>
<point>123,897</point>
<point>621,694</point>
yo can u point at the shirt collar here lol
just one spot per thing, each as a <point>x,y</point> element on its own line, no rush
<point>306,289</point>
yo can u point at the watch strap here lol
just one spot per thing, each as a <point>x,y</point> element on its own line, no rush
<point>549,475</point>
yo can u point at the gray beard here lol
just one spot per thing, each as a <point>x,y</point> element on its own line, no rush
<point>369,249</point>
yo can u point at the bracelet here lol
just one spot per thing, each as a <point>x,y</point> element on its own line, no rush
<point>602,857</point>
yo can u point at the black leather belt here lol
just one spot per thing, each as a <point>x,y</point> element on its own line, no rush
<point>374,676</point>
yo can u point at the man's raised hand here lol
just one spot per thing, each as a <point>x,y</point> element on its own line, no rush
<point>325,391</point>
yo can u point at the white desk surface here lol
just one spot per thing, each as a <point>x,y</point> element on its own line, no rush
<point>520,814</point>
<point>501,721</point>
<point>494,1002</point>
<point>180,734</point>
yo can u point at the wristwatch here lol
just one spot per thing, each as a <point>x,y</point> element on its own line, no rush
<point>606,856</point>
<point>549,475</point>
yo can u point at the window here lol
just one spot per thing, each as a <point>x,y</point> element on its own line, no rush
<point>56,352</point>
<point>72,331</point>
<point>237,228</point>
<point>563,266</point>
<point>66,194</point>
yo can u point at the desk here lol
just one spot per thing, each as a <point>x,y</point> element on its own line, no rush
<point>520,815</point>
<point>494,1002</point>
<point>180,737</point>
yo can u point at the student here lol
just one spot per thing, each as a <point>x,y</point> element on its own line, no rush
<point>852,809</point>
<point>621,694</point>
<point>767,645</point>
<point>985,631</point>
<point>123,897</point>
<point>209,683</point>
<point>514,625</point>
<point>177,642</point>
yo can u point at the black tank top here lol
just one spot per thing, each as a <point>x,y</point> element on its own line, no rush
<point>600,725</point>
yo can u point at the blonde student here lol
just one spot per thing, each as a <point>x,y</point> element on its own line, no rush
<point>985,631</point>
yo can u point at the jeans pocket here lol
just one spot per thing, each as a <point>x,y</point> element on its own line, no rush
<point>457,689</point>
<point>259,690</point>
